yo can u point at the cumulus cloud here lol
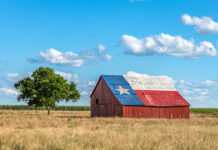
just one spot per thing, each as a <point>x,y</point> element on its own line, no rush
<point>66,76</point>
<point>201,88</point>
<point>92,83</point>
<point>54,56</point>
<point>8,92</point>
<point>201,94</point>
<point>12,75</point>
<point>209,83</point>
<point>72,59</point>
<point>165,44</point>
<point>204,25</point>
<point>101,48</point>
<point>85,87</point>
<point>84,93</point>
<point>107,57</point>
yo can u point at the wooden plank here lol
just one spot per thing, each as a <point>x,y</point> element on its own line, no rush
<point>167,113</point>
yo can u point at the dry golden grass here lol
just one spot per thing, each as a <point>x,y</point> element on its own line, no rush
<point>76,130</point>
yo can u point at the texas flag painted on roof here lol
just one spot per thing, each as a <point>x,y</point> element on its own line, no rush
<point>156,91</point>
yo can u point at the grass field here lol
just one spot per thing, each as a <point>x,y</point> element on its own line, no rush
<point>86,108</point>
<point>76,130</point>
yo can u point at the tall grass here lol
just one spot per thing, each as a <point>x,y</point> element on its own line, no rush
<point>67,130</point>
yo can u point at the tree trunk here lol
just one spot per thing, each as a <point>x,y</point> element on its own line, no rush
<point>48,110</point>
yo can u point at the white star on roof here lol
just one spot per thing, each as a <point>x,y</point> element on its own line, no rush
<point>122,90</point>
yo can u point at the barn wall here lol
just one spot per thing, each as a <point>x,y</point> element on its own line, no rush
<point>95,109</point>
<point>155,112</point>
<point>108,104</point>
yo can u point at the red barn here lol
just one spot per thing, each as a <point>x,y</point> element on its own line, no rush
<point>137,97</point>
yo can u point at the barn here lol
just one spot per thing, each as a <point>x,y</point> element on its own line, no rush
<point>137,97</point>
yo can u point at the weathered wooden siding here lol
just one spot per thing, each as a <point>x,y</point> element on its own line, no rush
<point>155,112</point>
<point>108,104</point>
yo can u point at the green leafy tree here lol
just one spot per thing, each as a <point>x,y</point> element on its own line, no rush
<point>45,88</point>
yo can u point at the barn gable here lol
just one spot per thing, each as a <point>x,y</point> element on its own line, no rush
<point>103,102</point>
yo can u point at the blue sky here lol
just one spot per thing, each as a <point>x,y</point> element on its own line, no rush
<point>83,39</point>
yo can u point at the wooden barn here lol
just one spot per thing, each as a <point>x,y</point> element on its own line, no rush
<point>137,97</point>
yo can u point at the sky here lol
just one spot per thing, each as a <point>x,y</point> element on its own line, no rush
<point>83,39</point>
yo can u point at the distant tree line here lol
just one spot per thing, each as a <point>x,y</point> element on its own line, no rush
<point>58,107</point>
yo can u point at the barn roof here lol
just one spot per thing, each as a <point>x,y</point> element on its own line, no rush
<point>161,98</point>
<point>156,91</point>
<point>144,91</point>
<point>144,82</point>
<point>122,90</point>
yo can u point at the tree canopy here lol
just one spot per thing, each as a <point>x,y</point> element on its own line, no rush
<point>45,88</point>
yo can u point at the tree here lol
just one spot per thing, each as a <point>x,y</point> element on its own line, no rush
<point>45,88</point>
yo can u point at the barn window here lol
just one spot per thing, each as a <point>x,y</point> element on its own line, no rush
<point>96,101</point>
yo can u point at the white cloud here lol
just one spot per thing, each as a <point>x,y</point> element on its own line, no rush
<point>91,83</point>
<point>204,25</point>
<point>209,83</point>
<point>200,91</point>
<point>72,59</point>
<point>71,77</point>
<point>136,75</point>
<point>12,75</point>
<point>85,87</point>
<point>101,48</point>
<point>56,57</point>
<point>165,44</point>
<point>76,78</point>
<point>8,92</point>
<point>203,88</point>
<point>84,93</point>
<point>199,99</point>
<point>29,73</point>
<point>107,57</point>
<point>67,76</point>
<point>182,83</point>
